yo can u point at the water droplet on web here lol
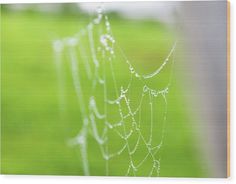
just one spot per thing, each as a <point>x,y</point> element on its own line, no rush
<point>145,89</point>
<point>153,92</point>
<point>131,69</point>
<point>166,90</point>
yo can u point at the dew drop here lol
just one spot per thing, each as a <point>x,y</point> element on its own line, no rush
<point>145,88</point>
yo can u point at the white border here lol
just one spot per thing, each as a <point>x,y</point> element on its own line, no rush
<point>114,180</point>
<point>67,1</point>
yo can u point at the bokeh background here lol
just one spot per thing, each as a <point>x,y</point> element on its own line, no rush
<point>34,130</point>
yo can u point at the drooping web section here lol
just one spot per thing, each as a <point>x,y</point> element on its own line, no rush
<point>117,107</point>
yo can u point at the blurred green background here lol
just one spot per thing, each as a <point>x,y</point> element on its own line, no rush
<point>34,132</point>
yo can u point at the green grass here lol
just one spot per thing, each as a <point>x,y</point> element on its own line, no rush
<point>33,133</point>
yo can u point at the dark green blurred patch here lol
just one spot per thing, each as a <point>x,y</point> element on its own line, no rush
<point>33,135</point>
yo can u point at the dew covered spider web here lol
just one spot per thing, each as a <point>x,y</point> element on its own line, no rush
<point>122,114</point>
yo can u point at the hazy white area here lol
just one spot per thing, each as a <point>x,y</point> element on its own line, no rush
<point>162,11</point>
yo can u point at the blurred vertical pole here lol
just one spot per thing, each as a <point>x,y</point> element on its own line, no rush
<point>204,36</point>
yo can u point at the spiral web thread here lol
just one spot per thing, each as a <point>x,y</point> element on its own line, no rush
<point>90,113</point>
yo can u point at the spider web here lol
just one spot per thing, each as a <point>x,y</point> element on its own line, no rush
<point>118,115</point>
